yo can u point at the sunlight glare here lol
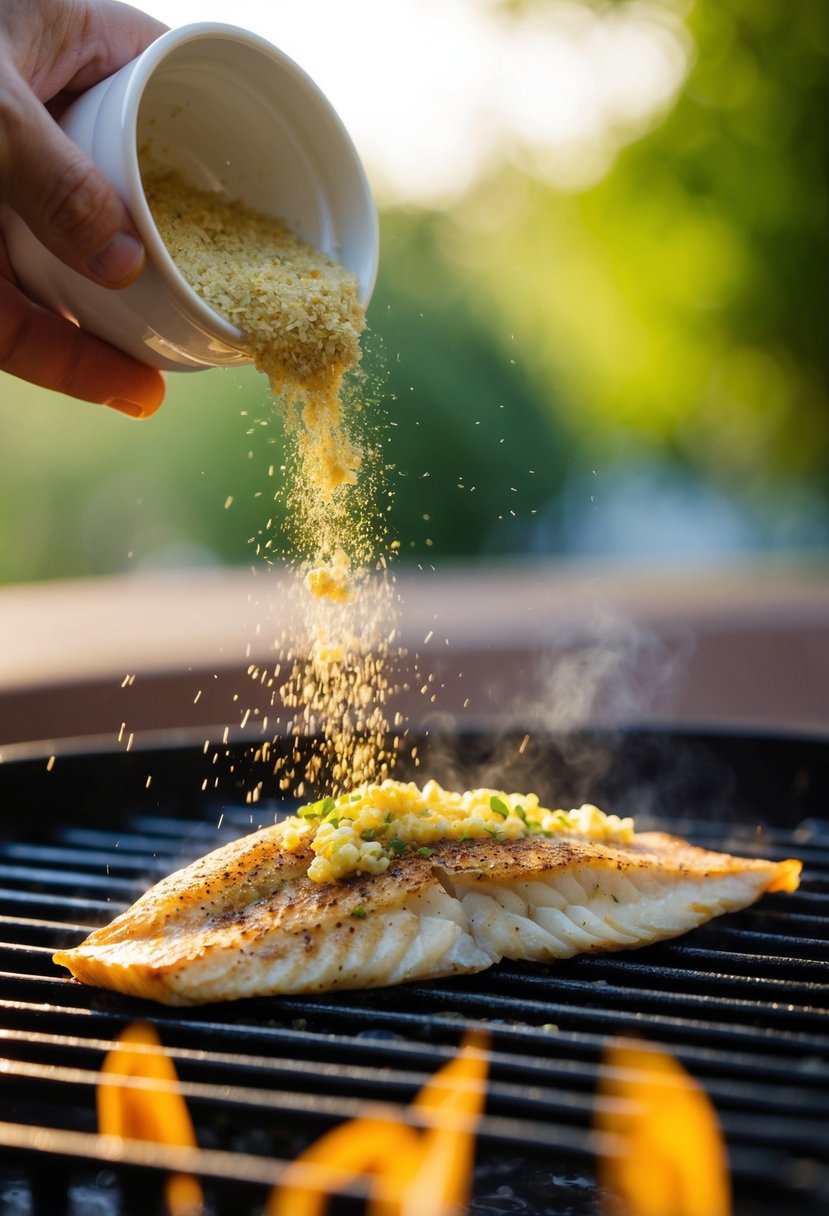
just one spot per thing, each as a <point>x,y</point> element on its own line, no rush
<point>439,93</point>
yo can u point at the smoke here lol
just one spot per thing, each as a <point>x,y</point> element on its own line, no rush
<point>612,672</point>
<point>582,720</point>
<point>603,697</point>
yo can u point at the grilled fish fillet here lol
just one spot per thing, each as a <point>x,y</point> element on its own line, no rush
<point>246,921</point>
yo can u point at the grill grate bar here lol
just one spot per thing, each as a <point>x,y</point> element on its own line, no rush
<point>512,1038</point>
<point>55,881</point>
<point>25,1079</point>
<point>12,901</point>
<point>816,857</point>
<point>560,1046</point>
<point>765,946</point>
<point>757,1154</point>
<point>54,904</point>
<point>792,921</point>
<point>803,1135</point>
<point>462,1013</point>
<point>616,1000</point>
<point>553,997</point>
<point>805,982</point>
<point>530,1121</point>
<point>233,825</point>
<point>809,902</point>
<point>31,931</point>
<point>112,863</point>
<point>194,839</point>
<point>459,1011</point>
<point>768,1169</point>
<point>511,1076</point>
<point>22,1139</point>
<point>676,956</point>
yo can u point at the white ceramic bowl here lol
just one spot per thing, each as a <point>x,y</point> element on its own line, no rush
<point>232,113</point>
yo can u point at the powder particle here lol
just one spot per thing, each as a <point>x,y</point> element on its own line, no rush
<point>331,581</point>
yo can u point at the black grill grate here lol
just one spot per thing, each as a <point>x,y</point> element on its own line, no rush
<point>741,1002</point>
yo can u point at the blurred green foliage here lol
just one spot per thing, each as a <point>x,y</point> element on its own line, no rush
<point>531,352</point>
<point>676,312</point>
<point>473,451</point>
<point>85,491</point>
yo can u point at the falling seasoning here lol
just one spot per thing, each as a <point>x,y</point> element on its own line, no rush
<point>302,319</point>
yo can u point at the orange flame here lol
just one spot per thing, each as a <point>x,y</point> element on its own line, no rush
<point>412,1172</point>
<point>154,1112</point>
<point>670,1158</point>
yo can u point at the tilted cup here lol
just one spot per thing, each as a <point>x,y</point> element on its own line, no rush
<point>231,113</point>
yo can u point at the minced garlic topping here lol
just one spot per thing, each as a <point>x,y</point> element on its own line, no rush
<point>360,832</point>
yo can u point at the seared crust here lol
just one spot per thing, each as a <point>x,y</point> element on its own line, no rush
<point>535,856</point>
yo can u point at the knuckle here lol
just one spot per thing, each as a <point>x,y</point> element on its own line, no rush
<point>16,316</point>
<point>77,203</point>
<point>37,345</point>
<point>12,131</point>
<point>67,372</point>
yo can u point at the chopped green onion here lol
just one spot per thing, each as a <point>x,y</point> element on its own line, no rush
<point>425,851</point>
<point>499,806</point>
<point>521,813</point>
<point>397,846</point>
<point>358,912</point>
<point>327,805</point>
<point>368,834</point>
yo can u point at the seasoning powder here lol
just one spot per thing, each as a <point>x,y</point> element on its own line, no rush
<point>301,315</point>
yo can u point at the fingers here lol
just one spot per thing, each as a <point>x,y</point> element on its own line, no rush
<point>111,35</point>
<point>45,349</point>
<point>49,48</point>
<point>65,200</point>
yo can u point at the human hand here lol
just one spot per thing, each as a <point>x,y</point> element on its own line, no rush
<point>50,51</point>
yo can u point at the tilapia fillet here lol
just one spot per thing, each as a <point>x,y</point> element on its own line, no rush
<point>246,920</point>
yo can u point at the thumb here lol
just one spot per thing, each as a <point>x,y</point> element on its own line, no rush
<point>66,201</point>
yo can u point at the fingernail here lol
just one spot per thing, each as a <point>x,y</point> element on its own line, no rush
<point>133,408</point>
<point>118,260</point>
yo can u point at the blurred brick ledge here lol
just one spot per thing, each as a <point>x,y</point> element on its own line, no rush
<point>542,645</point>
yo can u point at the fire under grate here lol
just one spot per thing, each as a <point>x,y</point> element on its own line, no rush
<point>741,1002</point>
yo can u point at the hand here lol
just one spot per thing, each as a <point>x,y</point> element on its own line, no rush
<point>50,51</point>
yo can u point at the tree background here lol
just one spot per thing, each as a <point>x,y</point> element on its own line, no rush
<point>631,370</point>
